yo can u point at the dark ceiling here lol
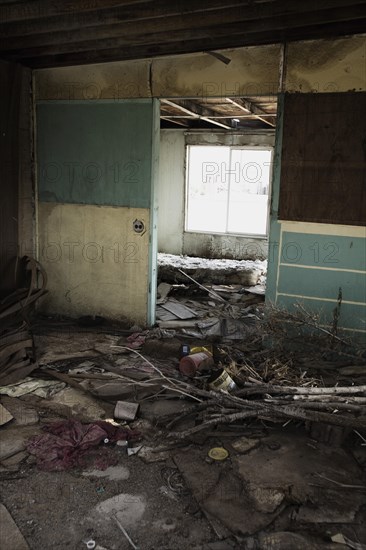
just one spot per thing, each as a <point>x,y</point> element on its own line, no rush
<point>51,33</point>
<point>254,113</point>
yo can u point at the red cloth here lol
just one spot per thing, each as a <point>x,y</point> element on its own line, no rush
<point>66,443</point>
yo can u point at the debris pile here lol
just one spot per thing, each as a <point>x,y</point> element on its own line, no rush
<point>17,353</point>
<point>246,419</point>
<point>204,270</point>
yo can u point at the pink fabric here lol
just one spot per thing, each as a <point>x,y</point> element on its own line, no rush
<point>137,339</point>
<point>66,444</point>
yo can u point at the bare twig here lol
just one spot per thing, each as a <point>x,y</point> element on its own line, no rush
<point>213,294</point>
<point>345,485</point>
<point>124,531</point>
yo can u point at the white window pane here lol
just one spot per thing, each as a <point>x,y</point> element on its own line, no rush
<point>249,187</point>
<point>248,214</point>
<point>208,183</point>
<point>227,189</point>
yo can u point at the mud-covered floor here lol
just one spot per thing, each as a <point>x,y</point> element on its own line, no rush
<point>281,485</point>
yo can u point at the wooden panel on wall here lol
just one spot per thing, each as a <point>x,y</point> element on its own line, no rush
<point>323,166</point>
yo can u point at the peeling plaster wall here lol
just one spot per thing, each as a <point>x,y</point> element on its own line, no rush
<point>172,237</point>
<point>252,71</point>
<point>326,65</point>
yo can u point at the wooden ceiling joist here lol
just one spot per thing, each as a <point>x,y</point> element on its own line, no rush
<point>254,110</point>
<point>46,33</point>
<point>196,110</point>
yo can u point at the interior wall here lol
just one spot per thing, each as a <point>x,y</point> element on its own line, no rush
<point>328,65</point>
<point>17,203</point>
<point>173,239</point>
<point>95,180</point>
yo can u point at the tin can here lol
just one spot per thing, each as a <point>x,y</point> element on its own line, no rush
<point>190,364</point>
<point>221,380</point>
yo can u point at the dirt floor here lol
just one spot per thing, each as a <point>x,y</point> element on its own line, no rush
<point>274,483</point>
<point>277,464</point>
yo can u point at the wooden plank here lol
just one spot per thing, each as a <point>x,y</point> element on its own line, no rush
<point>36,9</point>
<point>165,29</point>
<point>253,109</point>
<point>68,15</point>
<point>179,310</point>
<point>196,110</point>
<point>229,39</point>
<point>164,315</point>
<point>143,11</point>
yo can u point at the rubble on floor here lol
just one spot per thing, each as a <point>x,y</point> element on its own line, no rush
<point>205,270</point>
<point>17,354</point>
<point>219,428</point>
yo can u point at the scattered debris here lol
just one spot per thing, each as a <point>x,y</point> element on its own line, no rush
<point>66,443</point>
<point>218,453</point>
<point>125,410</point>
<point>5,415</point>
<point>341,539</point>
<point>234,438</point>
<point>41,388</point>
<point>204,270</point>
<point>17,352</point>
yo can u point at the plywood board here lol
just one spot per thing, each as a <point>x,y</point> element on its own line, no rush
<point>323,165</point>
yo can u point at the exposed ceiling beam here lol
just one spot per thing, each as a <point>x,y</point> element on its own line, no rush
<point>173,45</point>
<point>37,9</point>
<point>111,14</point>
<point>45,16</point>
<point>196,110</point>
<point>256,111</point>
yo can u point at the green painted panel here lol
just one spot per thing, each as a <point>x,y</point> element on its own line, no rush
<point>351,317</point>
<point>322,283</point>
<point>324,251</point>
<point>95,153</point>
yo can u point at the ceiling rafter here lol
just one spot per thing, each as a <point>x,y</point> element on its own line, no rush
<point>256,111</point>
<point>199,112</point>
<point>46,33</point>
<point>41,9</point>
<point>174,121</point>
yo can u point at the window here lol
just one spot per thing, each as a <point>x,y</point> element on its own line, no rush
<point>227,189</point>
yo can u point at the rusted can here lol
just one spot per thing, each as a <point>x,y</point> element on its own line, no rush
<point>221,380</point>
<point>190,364</point>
